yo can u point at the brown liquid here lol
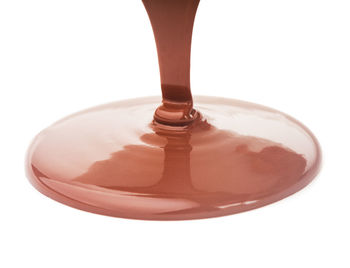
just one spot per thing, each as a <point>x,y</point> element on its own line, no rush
<point>124,160</point>
<point>172,22</point>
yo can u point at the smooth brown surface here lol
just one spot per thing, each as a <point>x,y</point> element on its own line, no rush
<point>112,160</point>
<point>125,160</point>
<point>172,23</point>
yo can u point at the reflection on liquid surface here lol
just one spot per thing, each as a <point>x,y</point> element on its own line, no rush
<point>111,161</point>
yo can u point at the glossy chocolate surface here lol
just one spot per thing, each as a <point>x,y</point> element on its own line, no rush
<point>167,159</point>
<point>113,160</point>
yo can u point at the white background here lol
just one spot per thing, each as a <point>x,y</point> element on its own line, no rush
<point>57,57</point>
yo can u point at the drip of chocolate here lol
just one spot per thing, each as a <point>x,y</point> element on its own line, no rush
<point>125,160</point>
<point>172,23</point>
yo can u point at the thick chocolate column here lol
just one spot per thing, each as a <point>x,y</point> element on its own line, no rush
<point>172,22</point>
